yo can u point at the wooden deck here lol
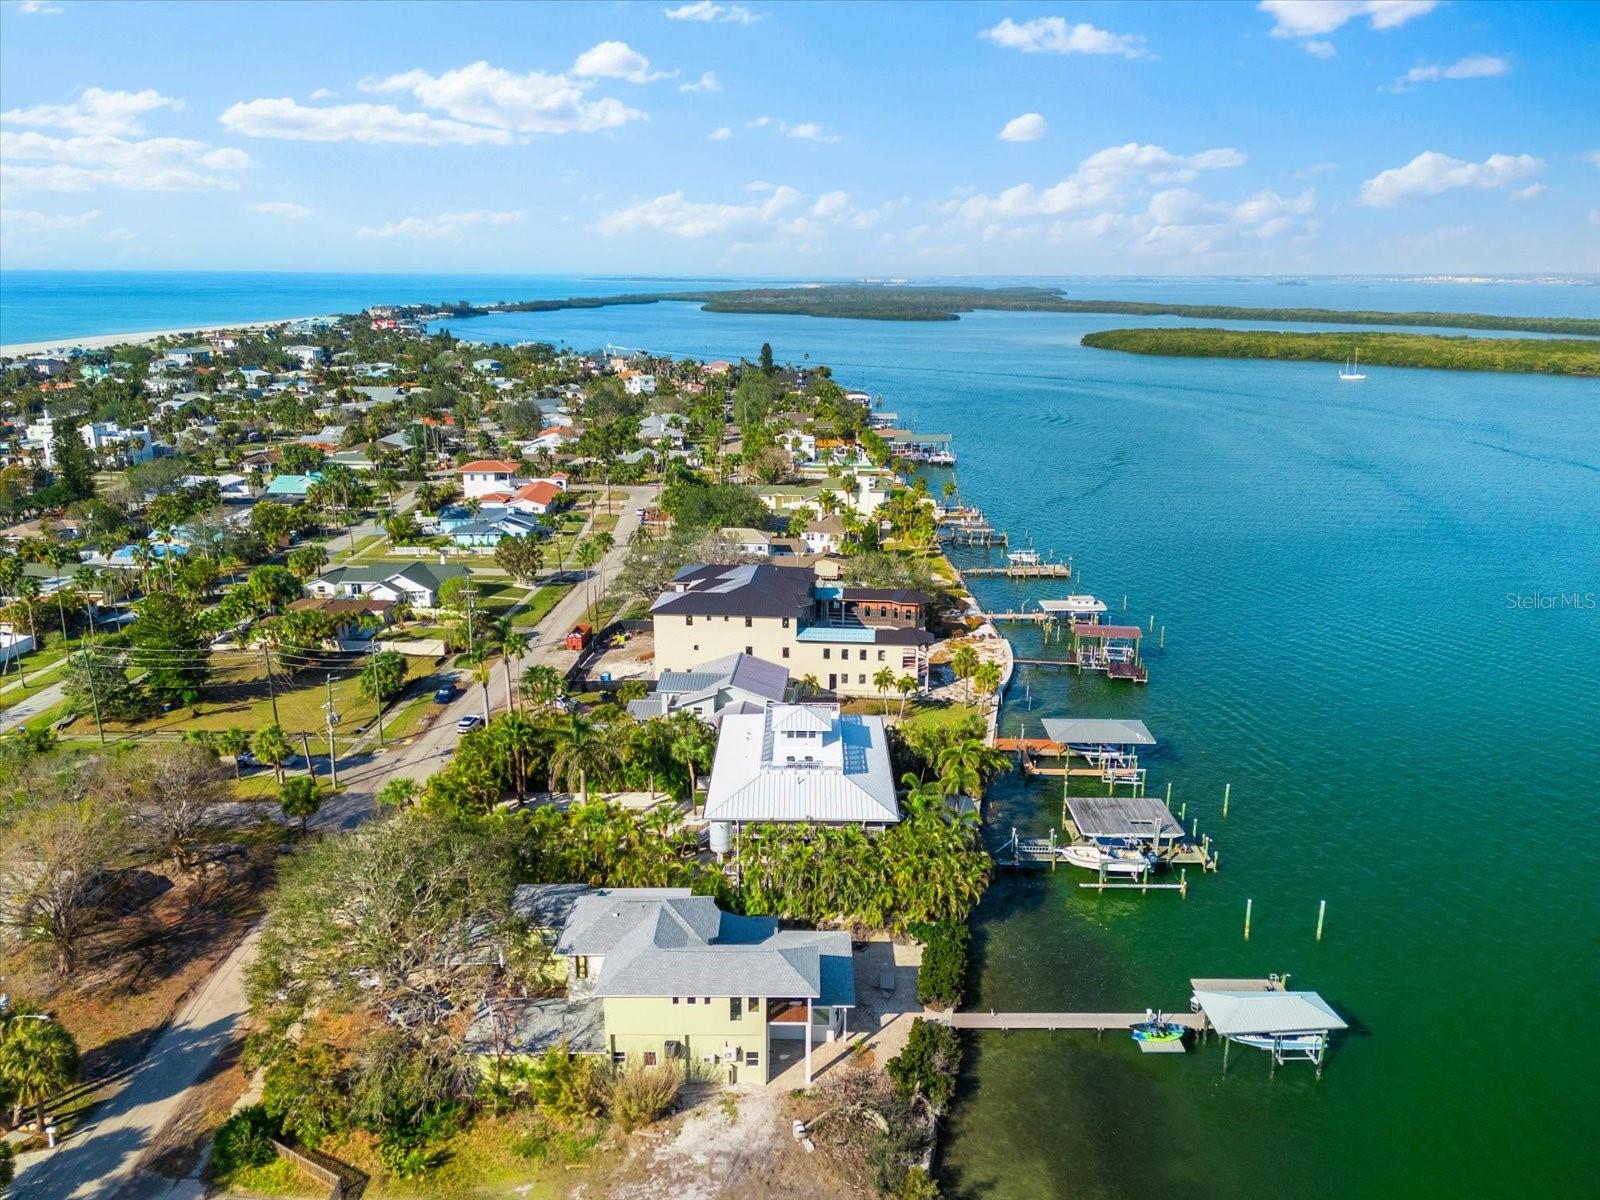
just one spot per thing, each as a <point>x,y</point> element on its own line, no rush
<point>1060,1020</point>
<point>1034,571</point>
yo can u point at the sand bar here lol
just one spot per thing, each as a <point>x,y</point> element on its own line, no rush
<point>104,341</point>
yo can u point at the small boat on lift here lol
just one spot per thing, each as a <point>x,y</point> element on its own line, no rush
<point>1155,1029</point>
<point>1114,856</point>
<point>1024,558</point>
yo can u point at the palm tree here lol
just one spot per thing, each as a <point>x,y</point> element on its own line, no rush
<point>885,682</point>
<point>513,645</point>
<point>693,744</point>
<point>38,1060</point>
<point>586,555</point>
<point>579,749</point>
<point>271,745</point>
<point>987,679</point>
<point>234,741</point>
<point>541,684</point>
<point>481,674</point>
<point>301,797</point>
<point>907,686</point>
<point>966,764</point>
<point>923,798</point>
<point>964,662</point>
<point>810,685</point>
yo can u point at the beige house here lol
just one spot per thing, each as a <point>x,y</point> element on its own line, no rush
<point>657,975</point>
<point>841,635</point>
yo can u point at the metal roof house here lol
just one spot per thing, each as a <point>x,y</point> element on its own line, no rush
<point>675,977</point>
<point>737,683</point>
<point>800,763</point>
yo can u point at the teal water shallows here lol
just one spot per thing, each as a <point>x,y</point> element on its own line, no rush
<point>1358,585</point>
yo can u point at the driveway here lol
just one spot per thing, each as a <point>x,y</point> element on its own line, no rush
<point>100,1156</point>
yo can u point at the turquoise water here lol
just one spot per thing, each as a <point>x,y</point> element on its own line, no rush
<point>1332,564</point>
<point>41,305</point>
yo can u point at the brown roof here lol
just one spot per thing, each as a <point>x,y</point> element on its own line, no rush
<point>1106,632</point>
<point>497,465</point>
<point>350,606</point>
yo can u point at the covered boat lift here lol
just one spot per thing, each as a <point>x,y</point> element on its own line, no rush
<point>1288,1025</point>
<point>1085,609</point>
<point>1113,649</point>
<point>1109,745</point>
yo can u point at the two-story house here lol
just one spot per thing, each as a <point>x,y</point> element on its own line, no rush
<point>678,979</point>
<point>482,476</point>
<point>841,635</point>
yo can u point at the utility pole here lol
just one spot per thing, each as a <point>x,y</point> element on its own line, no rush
<point>266,659</point>
<point>94,698</point>
<point>377,693</point>
<point>471,592</point>
<point>333,719</point>
<point>305,748</point>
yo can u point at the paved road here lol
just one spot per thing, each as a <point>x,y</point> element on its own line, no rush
<point>41,701</point>
<point>99,1157</point>
<point>99,1160</point>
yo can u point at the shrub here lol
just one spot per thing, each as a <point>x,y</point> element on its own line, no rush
<point>640,1095</point>
<point>943,973</point>
<point>927,1066</point>
<point>306,1091</point>
<point>407,1158</point>
<point>917,1185</point>
<point>569,1088</point>
<point>245,1140</point>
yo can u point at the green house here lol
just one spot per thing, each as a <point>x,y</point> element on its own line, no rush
<point>657,974</point>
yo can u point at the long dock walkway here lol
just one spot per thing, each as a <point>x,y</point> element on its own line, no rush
<point>1060,1020</point>
<point>1052,570</point>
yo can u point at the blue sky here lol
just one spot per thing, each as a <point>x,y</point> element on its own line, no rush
<point>703,137</point>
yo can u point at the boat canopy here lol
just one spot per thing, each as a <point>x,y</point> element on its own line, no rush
<point>1106,632</point>
<point>1135,817</point>
<point>1085,731</point>
<point>1268,1014</point>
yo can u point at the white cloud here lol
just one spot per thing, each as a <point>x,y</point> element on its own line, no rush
<point>808,131</point>
<point>536,102</point>
<point>1592,157</point>
<point>830,205</point>
<point>1055,35</point>
<point>1321,49</point>
<point>705,11</point>
<point>706,83</point>
<point>1101,180</point>
<point>758,185</point>
<point>80,164</point>
<point>442,226</point>
<point>675,216</point>
<point>1529,192</point>
<point>38,8</point>
<point>1473,66</point>
<point>1029,127</point>
<point>720,134</point>
<point>13,220</point>
<point>370,123</point>
<point>616,60</point>
<point>287,209</point>
<point>96,111</point>
<point>323,94</point>
<point>1309,18</point>
<point>1430,173</point>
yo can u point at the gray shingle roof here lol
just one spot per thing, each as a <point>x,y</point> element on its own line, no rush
<point>666,942</point>
<point>747,590</point>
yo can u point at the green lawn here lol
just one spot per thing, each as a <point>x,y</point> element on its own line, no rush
<point>546,598</point>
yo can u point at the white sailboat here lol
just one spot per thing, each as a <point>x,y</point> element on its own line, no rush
<point>1352,369</point>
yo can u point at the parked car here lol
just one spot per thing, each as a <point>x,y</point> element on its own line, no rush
<point>247,759</point>
<point>445,694</point>
<point>468,723</point>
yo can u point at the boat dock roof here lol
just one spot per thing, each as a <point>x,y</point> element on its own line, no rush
<point>1106,632</point>
<point>1267,1013</point>
<point>1083,731</point>
<point>1073,604</point>
<point>1124,817</point>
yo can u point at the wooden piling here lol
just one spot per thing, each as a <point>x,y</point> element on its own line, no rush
<point>1248,905</point>
<point>1322,911</point>
<point>1227,790</point>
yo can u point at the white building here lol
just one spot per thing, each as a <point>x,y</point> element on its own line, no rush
<point>800,763</point>
<point>307,356</point>
<point>739,683</point>
<point>640,384</point>
<point>485,475</point>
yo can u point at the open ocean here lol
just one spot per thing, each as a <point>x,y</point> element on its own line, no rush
<point>1380,610</point>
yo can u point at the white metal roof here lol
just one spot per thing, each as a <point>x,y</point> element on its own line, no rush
<point>1089,731</point>
<point>1073,604</point>
<point>1268,1013</point>
<point>847,779</point>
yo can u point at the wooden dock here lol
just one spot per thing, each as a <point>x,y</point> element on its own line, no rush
<point>1098,1022</point>
<point>1017,618</point>
<point>1053,570</point>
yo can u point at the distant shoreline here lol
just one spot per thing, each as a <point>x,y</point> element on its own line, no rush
<point>104,341</point>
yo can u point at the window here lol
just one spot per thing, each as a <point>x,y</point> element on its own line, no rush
<point>649,1058</point>
<point>674,999</point>
<point>749,650</point>
<point>690,1000</point>
<point>697,645</point>
<point>580,966</point>
<point>827,653</point>
<point>748,622</point>
<point>706,999</point>
<point>688,620</point>
<point>735,1008</point>
<point>752,1059</point>
<point>786,622</point>
<point>861,679</point>
<point>754,1003</point>
<point>880,655</point>
<point>786,652</point>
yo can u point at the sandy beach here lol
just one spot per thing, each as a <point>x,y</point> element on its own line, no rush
<point>104,341</point>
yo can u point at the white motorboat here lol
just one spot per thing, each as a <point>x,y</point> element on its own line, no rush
<point>1285,1043</point>
<point>1114,856</point>
<point>1023,558</point>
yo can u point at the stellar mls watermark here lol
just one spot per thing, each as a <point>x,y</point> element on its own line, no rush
<point>1553,601</point>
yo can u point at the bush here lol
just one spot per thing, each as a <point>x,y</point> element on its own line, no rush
<point>927,1066</point>
<point>640,1095</point>
<point>244,1141</point>
<point>917,1185</point>
<point>943,973</point>
<point>307,1092</point>
<point>407,1158</point>
<point>568,1087</point>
